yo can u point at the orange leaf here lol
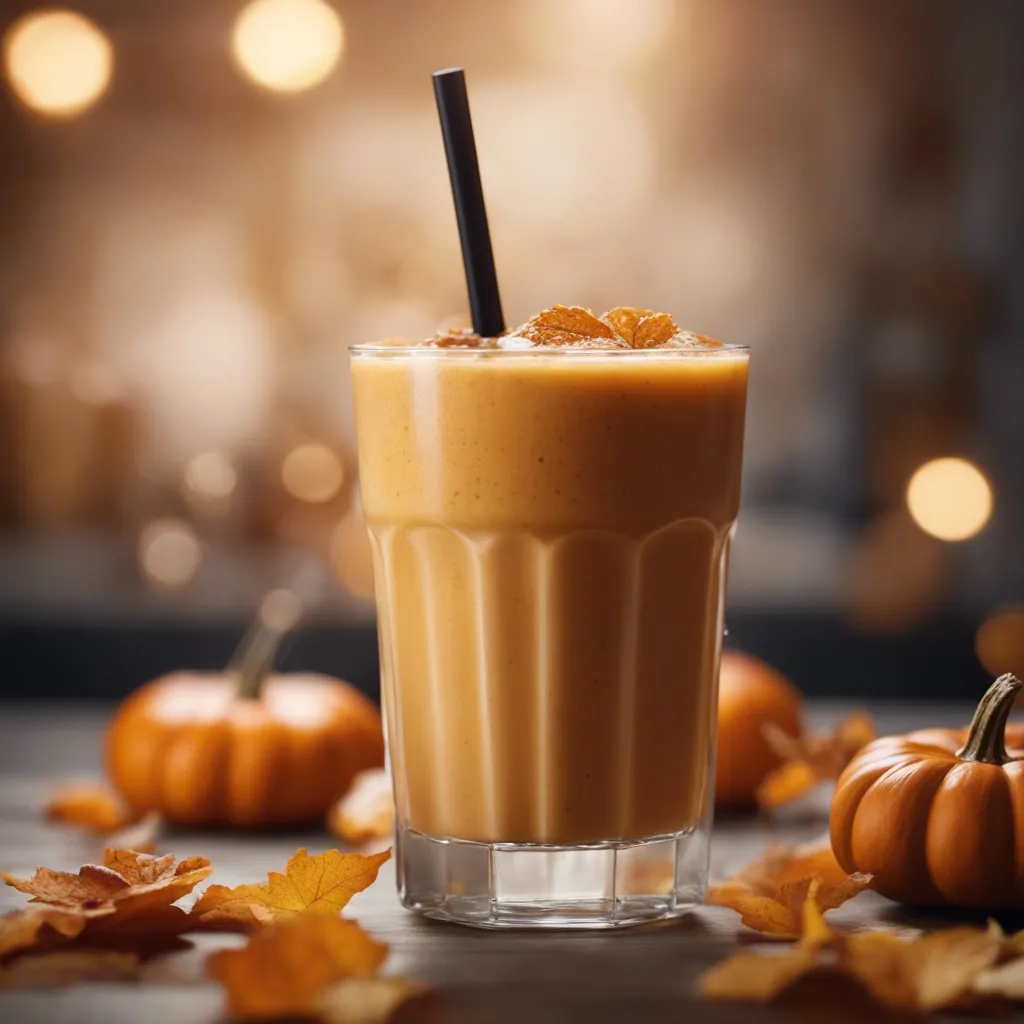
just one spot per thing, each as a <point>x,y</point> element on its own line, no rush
<point>69,968</point>
<point>369,1000</point>
<point>568,325</point>
<point>285,968</point>
<point>127,881</point>
<point>366,811</point>
<point>322,884</point>
<point>811,759</point>
<point>94,806</point>
<point>641,328</point>
<point>141,836</point>
<point>31,926</point>
<point>770,899</point>
<point>783,862</point>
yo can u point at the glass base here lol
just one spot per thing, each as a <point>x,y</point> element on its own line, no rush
<point>611,884</point>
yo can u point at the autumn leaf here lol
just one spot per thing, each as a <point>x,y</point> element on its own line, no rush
<point>569,325</point>
<point>769,893</point>
<point>368,1000</point>
<point>285,967</point>
<point>641,328</point>
<point>140,836</point>
<point>366,811</point>
<point>69,967</point>
<point>322,884</point>
<point>809,760</point>
<point>920,975</point>
<point>34,925</point>
<point>127,881</point>
<point>755,978</point>
<point>94,806</point>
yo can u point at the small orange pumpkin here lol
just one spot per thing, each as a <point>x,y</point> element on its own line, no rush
<point>937,816</point>
<point>751,695</point>
<point>244,748</point>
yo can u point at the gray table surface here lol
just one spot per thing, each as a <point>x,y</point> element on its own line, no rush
<point>639,975</point>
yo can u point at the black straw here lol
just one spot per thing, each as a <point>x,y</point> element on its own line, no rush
<point>464,171</point>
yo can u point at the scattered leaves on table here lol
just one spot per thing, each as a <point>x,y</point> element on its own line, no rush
<point>285,967</point>
<point>94,806</point>
<point>127,881</point>
<point>323,884</point>
<point>366,811</point>
<point>810,760</point>
<point>69,967</point>
<point>32,926</point>
<point>769,894</point>
<point>939,970</point>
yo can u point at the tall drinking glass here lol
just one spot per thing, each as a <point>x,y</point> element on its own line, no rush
<point>550,533</point>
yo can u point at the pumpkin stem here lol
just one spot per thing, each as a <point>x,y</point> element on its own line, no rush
<point>254,659</point>
<point>985,741</point>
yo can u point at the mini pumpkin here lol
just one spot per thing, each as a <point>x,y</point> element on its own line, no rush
<point>937,816</point>
<point>243,748</point>
<point>751,695</point>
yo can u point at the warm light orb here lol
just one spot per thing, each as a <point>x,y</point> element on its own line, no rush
<point>287,45</point>
<point>169,552</point>
<point>312,472</point>
<point>211,475</point>
<point>950,498</point>
<point>999,642</point>
<point>351,556</point>
<point>57,62</point>
<point>280,610</point>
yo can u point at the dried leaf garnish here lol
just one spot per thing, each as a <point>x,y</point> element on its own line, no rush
<point>323,884</point>
<point>641,328</point>
<point>32,926</point>
<point>69,968</point>
<point>284,969</point>
<point>568,325</point>
<point>368,1000</point>
<point>366,811</point>
<point>127,881</point>
<point>94,806</point>
<point>933,972</point>
<point>780,912</point>
<point>812,759</point>
<point>770,893</point>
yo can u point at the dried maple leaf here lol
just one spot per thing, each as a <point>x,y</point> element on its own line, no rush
<point>811,759</point>
<point>568,325</point>
<point>368,1000</point>
<point>69,968</point>
<point>284,968</point>
<point>641,328</point>
<point>323,884</point>
<point>127,881</point>
<point>33,926</point>
<point>366,811</point>
<point>94,806</point>
<point>755,977</point>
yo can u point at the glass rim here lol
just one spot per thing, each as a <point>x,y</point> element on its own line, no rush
<point>416,351</point>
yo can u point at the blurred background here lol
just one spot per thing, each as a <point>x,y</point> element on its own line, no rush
<point>204,202</point>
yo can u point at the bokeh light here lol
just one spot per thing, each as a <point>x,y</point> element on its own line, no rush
<point>999,642</point>
<point>312,472</point>
<point>287,45</point>
<point>169,552</point>
<point>280,610</point>
<point>950,498</point>
<point>351,556</point>
<point>211,475</point>
<point>57,62</point>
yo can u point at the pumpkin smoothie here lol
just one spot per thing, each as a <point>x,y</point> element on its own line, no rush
<point>550,514</point>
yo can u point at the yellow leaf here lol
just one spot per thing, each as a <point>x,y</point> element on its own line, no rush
<point>285,968</point>
<point>322,884</point>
